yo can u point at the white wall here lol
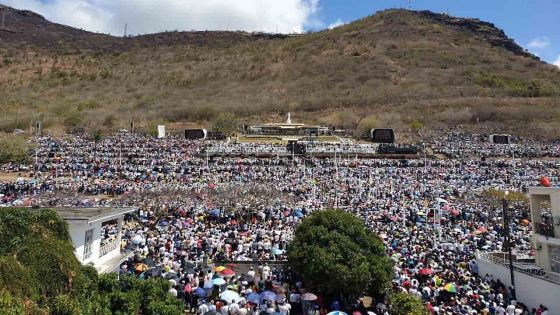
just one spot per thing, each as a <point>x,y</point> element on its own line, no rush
<point>78,230</point>
<point>529,290</point>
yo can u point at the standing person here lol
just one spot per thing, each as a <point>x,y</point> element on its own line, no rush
<point>295,301</point>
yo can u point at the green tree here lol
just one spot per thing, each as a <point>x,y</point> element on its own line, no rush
<point>40,272</point>
<point>365,125</point>
<point>226,123</point>
<point>406,304</point>
<point>416,126</point>
<point>335,253</point>
<point>13,149</point>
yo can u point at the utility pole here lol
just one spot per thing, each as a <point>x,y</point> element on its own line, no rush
<point>125,27</point>
<point>508,244</point>
<point>335,182</point>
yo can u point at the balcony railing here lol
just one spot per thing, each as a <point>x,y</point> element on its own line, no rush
<point>529,269</point>
<point>545,229</point>
<point>107,247</point>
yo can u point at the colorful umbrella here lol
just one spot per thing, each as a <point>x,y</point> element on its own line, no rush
<point>228,273</point>
<point>481,229</point>
<point>450,287</point>
<point>141,267</point>
<point>425,271</point>
<point>218,281</point>
<point>336,313</point>
<point>308,297</point>
<point>219,269</point>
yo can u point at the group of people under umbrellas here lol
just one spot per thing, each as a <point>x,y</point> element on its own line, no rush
<point>433,214</point>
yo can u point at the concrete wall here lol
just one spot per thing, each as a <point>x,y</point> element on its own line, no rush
<point>78,230</point>
<point>529,290</point>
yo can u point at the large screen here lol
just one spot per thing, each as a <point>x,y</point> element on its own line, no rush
<point>195,134</point>
<point>296,147</point>
<point>383,135</point>
<point>500,139</point>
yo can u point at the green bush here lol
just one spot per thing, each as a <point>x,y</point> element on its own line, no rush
<point>226,123</point>
<point>13,149</point>
<point>405,304</point>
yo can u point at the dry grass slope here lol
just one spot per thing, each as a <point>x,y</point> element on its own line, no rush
<point>393,68</point>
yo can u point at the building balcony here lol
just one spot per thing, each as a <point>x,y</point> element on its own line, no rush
<point>532,270</point>
<point>108,247</point>
<point>546,230</point>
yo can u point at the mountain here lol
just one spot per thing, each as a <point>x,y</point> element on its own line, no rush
<point>391,69</point>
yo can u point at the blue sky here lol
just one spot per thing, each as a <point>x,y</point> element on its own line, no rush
<point>534,24</point>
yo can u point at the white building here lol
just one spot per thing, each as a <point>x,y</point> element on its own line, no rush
<point>537,281</point>
<point>92,245</point>
<point>545,216</point>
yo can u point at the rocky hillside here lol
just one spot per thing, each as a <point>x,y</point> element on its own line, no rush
<point>393,68</point>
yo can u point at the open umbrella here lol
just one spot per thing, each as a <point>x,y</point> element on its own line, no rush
<point>268,296</point>
<point>228,273</point>
<point>218,281</point>
<point>481,229</point>
<point>425,271</point>
<point>154,272</point>
<point>450,287</point>
<point>308,297</point>
<point>248,278</point>
<point>170,275</point>
<point>220,269</point>
<point>229,296</point>
<point>253,298</point>
<point>141,268</point>
<point>200,292</point>
<point>336,313</point>
<point>137,239</point>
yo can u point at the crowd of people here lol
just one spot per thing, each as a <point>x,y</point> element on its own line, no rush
<point>433,214</point>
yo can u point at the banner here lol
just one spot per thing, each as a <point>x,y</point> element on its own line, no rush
<point>161,131</point>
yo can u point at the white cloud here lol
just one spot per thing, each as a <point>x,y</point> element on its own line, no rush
<point>539,43</point>
<point>150,16</point>
<point>335,24</point>
<point>557,61</point>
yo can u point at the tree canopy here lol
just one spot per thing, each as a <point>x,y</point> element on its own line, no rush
<point>39,274</point>
<point>335,253</point>
<point>406,304</point>
<point>226,123</point>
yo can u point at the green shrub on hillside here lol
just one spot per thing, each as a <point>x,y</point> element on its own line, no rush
<point>13,149</point>
<point>517,87</point>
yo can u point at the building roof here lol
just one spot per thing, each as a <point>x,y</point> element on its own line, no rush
<point>90,214</point>
<point>544,190</point>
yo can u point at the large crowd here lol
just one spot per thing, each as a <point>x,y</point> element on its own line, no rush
<point>193,210</point>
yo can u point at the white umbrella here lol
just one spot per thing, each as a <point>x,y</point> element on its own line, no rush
<point>229,296</point>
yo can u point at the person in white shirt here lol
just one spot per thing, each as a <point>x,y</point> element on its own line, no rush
<point>234,308</point>
<point>251,272</point>
<point>202,309</point>
<point>284,308</point>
